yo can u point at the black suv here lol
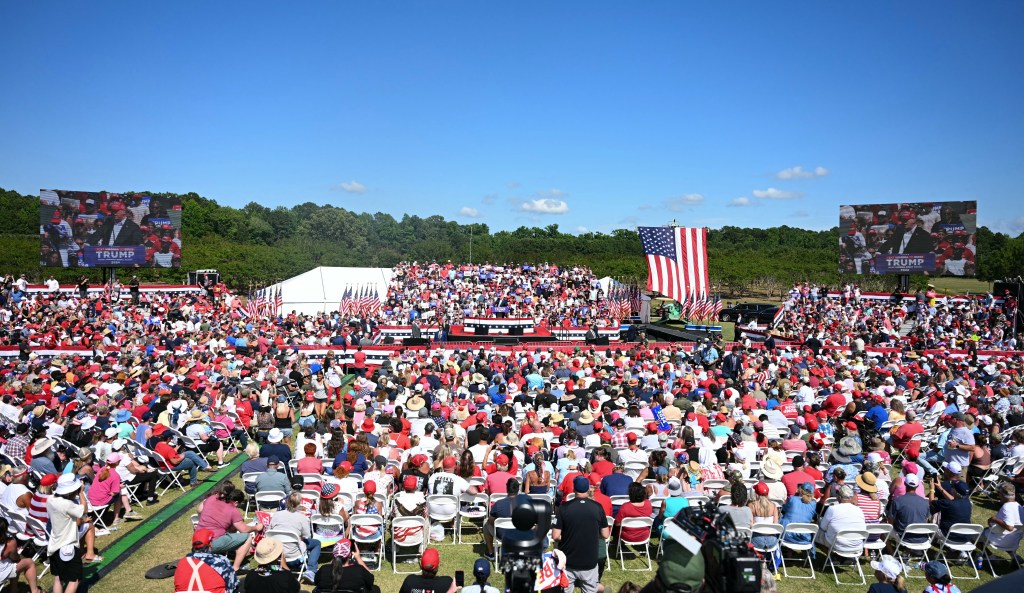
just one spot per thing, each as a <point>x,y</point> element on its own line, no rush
<point>764,313</point>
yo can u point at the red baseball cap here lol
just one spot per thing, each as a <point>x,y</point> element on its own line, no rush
<point>430,560</point>
<point>410,482</point>
<point>449,462</point>
<point>202,538</point>
<point>502,459</point>
<point>370,487</point>
<point>631,437</point>
<point>419,459</point>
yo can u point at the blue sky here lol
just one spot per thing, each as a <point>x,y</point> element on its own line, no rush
<point>589,115</point>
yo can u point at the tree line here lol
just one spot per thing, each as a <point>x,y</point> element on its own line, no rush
<point>261,245</point>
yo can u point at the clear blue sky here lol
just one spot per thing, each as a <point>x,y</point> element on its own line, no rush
<point>590,115</point>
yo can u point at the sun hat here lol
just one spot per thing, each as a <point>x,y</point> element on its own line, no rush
<point>342,549</point>
<point>889,566</point>
<point>867,482</point>
<point>41,445</point>
<point>771,469</point>
<point>586,417</point>
<point>275,435</point>
<point>268,550</point>
<point>848,447</point>
<point>329,490</point>
<point>67,484</point>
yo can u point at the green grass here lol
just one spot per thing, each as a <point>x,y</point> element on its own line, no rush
<point>961,285</point>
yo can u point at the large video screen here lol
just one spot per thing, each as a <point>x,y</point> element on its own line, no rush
<point>933,238</point>
<point>81,229</point>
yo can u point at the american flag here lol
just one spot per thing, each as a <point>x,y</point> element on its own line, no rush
<point>716,310</point>
<point>634,299</point>
<point>371,301</point>
<point>278,302</point>
<point>345,306</point>
<point>778,316</point>
<point>677,260</point>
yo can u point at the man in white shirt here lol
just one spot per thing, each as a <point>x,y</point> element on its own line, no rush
<point>632,453</point>
<point>842,516</point>
<point>447,482</point>
<point>69,523</point>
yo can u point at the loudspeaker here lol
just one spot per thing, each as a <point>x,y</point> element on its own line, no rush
<point>515,331</point>
<point>506,342</point>
<point>416,341</point>
<point>600,341</point>
<point>480,330</point>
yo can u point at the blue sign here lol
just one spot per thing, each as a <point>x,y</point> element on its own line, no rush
<point>904,263</point>
<point>104,257</point>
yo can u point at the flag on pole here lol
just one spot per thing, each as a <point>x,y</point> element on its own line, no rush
<point>346,302</point>
<point>778,316</point>
<point>717,310</point>
<point>634,299</point>
<point>677,260</point>
<point>278,302</point>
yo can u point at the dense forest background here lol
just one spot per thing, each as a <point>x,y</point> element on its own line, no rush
<point>260,245</point>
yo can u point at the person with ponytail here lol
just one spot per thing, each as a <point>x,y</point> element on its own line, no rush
<point>889,573</point>
<point>347,572</point>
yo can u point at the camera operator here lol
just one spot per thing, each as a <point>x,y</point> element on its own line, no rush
<point>580,525</point>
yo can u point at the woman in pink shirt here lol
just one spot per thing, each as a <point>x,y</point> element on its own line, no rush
<point>106,489</point>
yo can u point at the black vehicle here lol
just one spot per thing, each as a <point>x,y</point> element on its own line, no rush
<point>764,313</point>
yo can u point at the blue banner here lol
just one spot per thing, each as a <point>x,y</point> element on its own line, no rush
<point>659,415</point>
<point>904,263</point>
<point>104,257</point>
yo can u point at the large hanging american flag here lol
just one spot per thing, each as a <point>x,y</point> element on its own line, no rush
<point>677,260</point>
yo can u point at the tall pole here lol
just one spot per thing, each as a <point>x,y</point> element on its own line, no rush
<point>471,244</point>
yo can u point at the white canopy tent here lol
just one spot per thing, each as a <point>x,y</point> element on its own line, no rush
<point>320,289</point>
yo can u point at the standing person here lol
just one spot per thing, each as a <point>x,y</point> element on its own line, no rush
<point>579,527</point>
<point>83,287</point>
<point>133,288</point>
<point>428,581</point>
<point>69,522</point>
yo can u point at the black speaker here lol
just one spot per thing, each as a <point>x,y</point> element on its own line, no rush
<point>480,330</point>
<point>416,341</point>
<point>599,341</point>
<point>515,331</point>
<point>506,341</point>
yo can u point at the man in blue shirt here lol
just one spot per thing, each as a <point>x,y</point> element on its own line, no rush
<point>878,414</point>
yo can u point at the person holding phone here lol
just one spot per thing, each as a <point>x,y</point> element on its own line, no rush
<point>347,572</point>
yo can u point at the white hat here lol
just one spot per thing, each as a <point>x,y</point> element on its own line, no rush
<point>67,484</point>
<point>275,435</point>
<point>954,467</point>
<point>88,422</point>
<point>889,566</point>
<point>110,432</point>
<point>40,446</point>
<point>117,444</point>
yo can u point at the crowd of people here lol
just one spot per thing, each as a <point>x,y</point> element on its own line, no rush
<point>979,322</point>
<point>773,436</point>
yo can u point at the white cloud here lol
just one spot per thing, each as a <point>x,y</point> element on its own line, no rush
<point>1010,226</point>
<point>489,198</point>
<point>545,206</point>
<point>740,202</point>
<point>582,229</point>
<point>352,187</point>
<point>798,172</point>
<point>680,203</point>
<point>469,212</point>
<point>776,194</point>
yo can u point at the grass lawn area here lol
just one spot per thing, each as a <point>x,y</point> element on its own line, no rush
<point>961,285</point>
<point>173,542</point>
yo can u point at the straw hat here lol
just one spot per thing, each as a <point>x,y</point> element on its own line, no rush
<point>268,551</point>
<point>867,482</point>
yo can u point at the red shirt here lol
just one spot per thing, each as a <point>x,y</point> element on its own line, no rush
<point>833,403</point>
<point>793,479</point>
<point>604,501</point>
<point>497,483</point>
<point>631,510</point>
<point>168,452</point>
<point>566,487</point>
<point>901,438</point>
<point>603,468</point>
<point>193,574</point>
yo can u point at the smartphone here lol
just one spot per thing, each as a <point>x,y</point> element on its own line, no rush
<point>460,578</point>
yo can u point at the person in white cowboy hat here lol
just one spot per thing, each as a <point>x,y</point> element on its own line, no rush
<point>70,524</point>
<point>42,457</point>
<point>274,447</point>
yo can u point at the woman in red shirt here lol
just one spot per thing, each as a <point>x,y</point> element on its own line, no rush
<point>638,506</point>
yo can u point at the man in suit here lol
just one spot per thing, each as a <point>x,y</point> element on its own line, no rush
<point>909,237</point>
<point>119,230</point>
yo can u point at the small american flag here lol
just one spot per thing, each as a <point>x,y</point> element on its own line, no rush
<point>778,316</point>
<point>278,302</point>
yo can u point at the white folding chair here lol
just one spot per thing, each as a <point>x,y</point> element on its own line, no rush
<point>712,486</point>
<point>809,529</point>
<point>368,530</point>
<point>623,545</point>
<point>440,515</point>
<point>472,508</point>
<point>269,500</point>
<point>36,531</point>
<point>968,535</point>
<point>1008,545</point>
<point>925,532</point>
<point>97,512</point>
<point>772,529</point>
<point>500,523</point>
<point>163,469</point>
<point>878,537</point>
<point>327,526</point>
<point>849,544</point>
<point>413,533</point>
<point>287,536</point>
<point>195,521</point>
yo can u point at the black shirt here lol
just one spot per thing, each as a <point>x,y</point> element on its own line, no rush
<point>354,578</point>
<point>953,511</point>
<point>416,583</point>
<point>581,521</point>
<point>271,581</point>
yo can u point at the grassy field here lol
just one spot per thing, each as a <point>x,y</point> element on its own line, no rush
<point>961,285</point>
<point>173,542</point>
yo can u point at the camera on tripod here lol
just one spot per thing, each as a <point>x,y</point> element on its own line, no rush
<point>730,562</point>
<point>522,548</point>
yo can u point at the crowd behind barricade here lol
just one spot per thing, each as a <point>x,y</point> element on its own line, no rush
<point>833,455</point>
<point>448,293</point>
<point>976,322</point>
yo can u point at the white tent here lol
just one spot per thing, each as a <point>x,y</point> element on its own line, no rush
<point>320,289</point>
